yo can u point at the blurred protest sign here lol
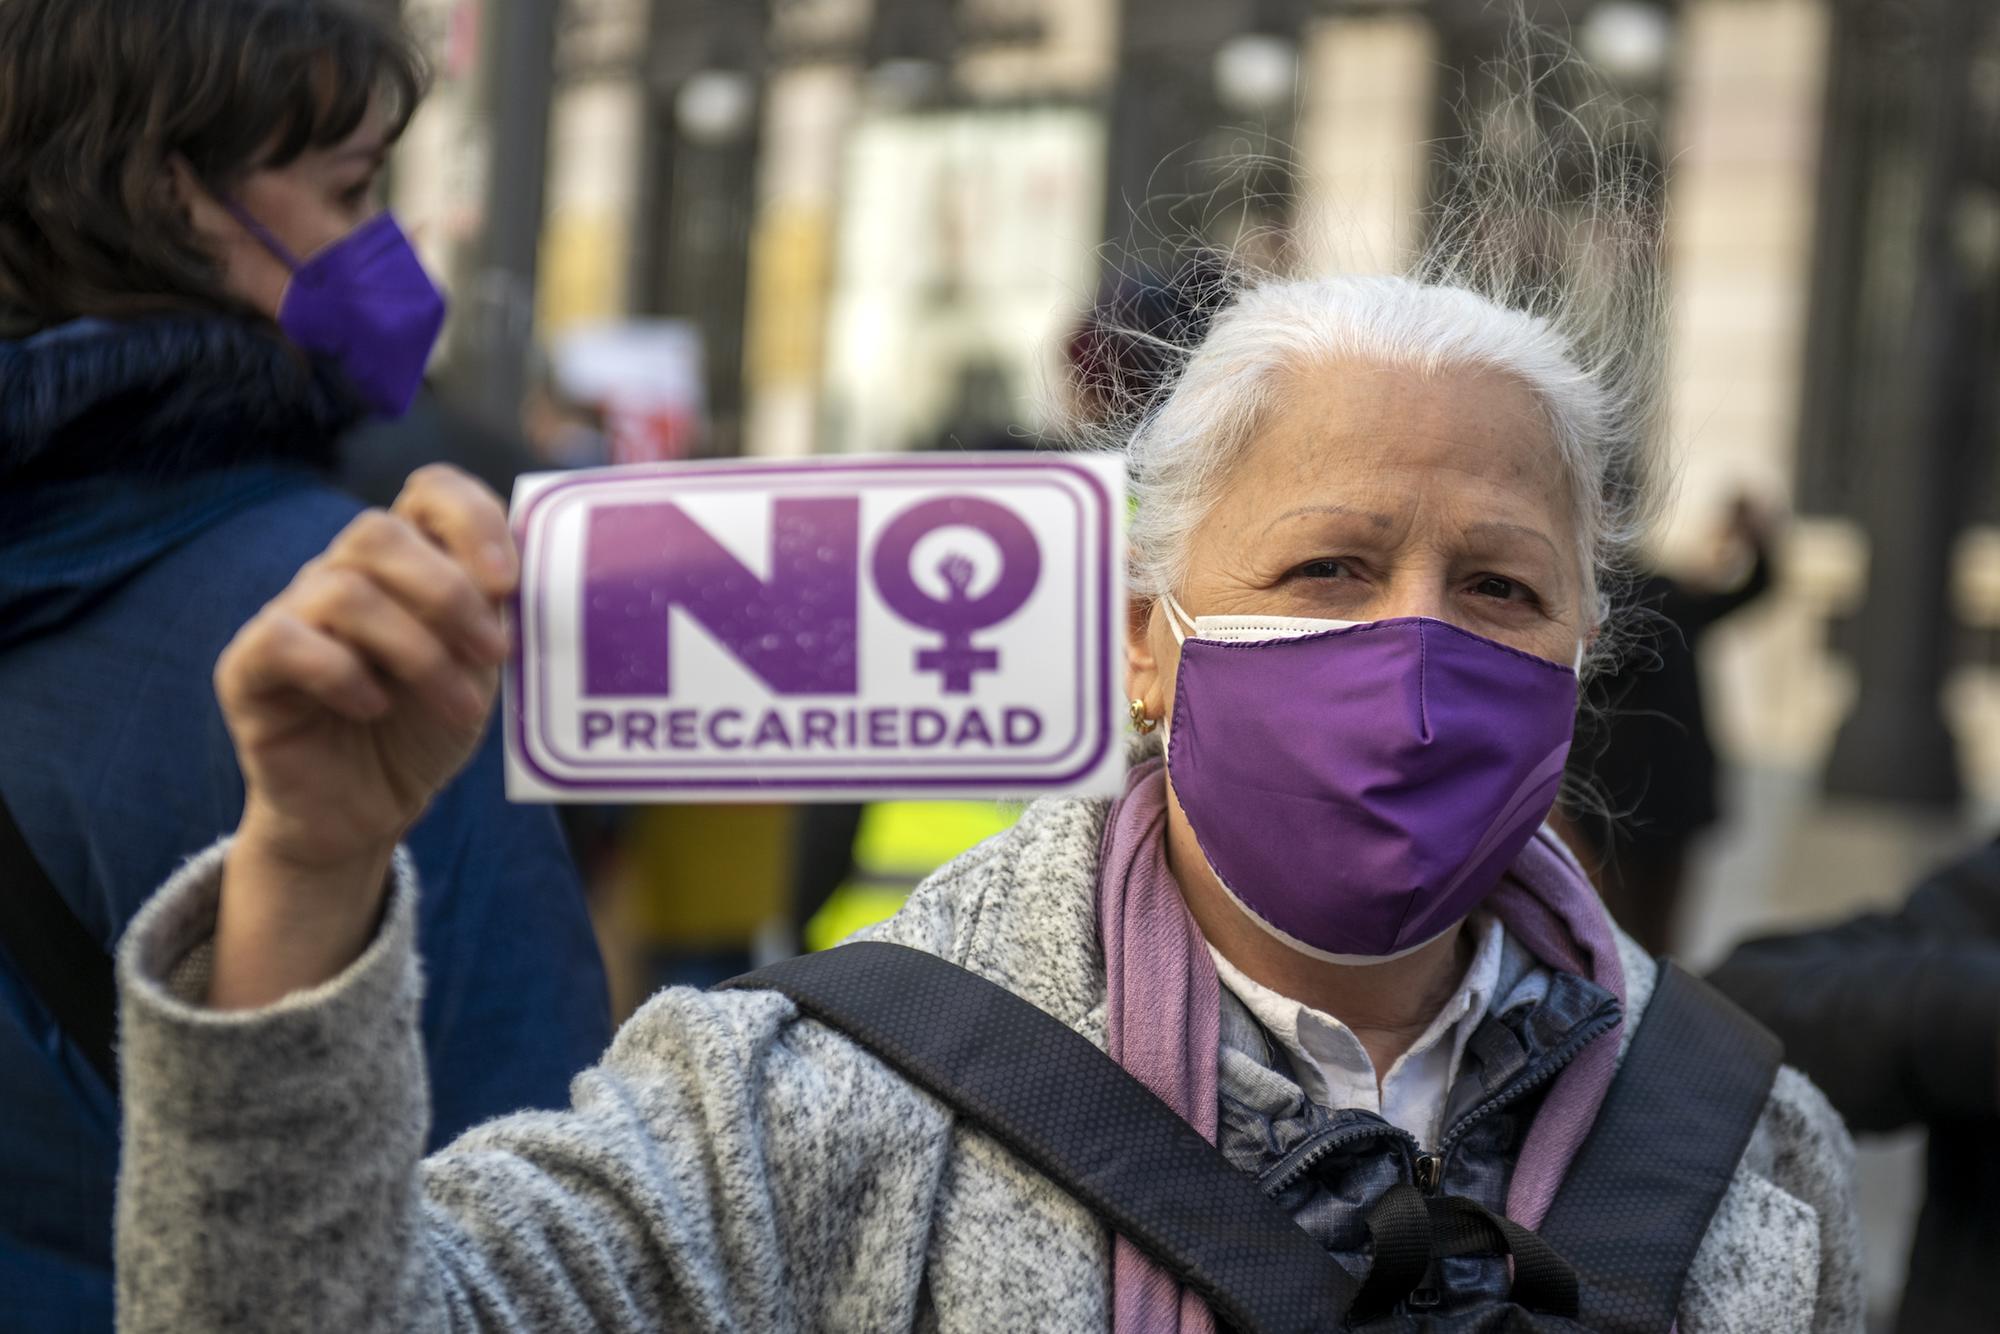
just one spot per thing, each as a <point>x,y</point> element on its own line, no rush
<point>825,629</point>
<point>645,376</point>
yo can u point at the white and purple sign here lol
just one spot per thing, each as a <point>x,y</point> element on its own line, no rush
<point>828,629</point>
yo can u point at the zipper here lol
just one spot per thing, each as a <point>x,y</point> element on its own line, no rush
<point>1302,1162</point>
<point>1429,1174</point>
<point>1548,1068</point>
<point>1427,1166</point>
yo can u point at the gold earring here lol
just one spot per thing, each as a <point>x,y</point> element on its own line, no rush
<point>1143,721</point>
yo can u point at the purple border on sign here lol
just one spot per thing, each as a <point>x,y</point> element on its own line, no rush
<point>913,767</point>
<point>516,720</point>
<point>987,773</point>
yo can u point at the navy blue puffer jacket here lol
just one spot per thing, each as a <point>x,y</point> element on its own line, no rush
<point>159,481</point>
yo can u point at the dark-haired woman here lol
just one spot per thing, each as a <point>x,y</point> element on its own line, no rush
<point>198,294</point>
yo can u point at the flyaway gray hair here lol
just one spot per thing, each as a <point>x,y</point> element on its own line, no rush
<point>1542,261</point>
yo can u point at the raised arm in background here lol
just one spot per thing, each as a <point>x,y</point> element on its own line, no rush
<point>1896,1016</point>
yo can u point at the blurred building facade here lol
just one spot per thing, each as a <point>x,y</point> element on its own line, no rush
<point>884,216</point>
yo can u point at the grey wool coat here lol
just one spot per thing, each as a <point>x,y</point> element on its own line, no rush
<point>727,1166</point>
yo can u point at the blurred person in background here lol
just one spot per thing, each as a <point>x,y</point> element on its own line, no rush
<point>562,430</point>
<point>1125,352</point>
<point>379,454</point>
<point>199,295</point>
<point>1326,927</point>
<point>1644,751</point>
<point>1897,1016</point>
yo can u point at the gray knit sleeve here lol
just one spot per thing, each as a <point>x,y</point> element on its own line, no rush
<point>726,1167</point>
<point>251,1136</point>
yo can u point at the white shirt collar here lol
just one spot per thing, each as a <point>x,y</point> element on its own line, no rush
<point>1336,1071</point>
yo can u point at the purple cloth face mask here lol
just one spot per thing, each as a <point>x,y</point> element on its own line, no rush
<point>1360,788</point>
<point>365,301</point>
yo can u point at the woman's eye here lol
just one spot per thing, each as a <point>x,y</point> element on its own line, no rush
<point>1507,590</point>
<point>1323,569</point>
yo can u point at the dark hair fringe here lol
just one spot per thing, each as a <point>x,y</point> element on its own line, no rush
<point>98,98</point>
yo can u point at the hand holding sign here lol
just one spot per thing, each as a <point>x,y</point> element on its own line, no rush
<point>352,698</point>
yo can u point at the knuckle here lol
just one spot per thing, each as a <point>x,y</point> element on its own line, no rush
<point>303,582</point>
<point>276,638</point>
<point>433,600</point>
<point>256,635</point>
<point>428,659</point>
<point>337,590</point>
<point>371,532</point>
<point>264,640</point>
<point>459,599</point>
<point>436,477</point>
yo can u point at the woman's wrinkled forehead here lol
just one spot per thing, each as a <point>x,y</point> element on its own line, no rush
<point>1361,435</point>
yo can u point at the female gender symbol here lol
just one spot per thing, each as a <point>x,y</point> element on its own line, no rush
<point>956,615</point>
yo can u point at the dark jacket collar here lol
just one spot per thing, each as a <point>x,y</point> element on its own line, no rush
<point>164,397</point>
<point>119,441</point>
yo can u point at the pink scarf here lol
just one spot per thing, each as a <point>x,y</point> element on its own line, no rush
<point>1163,1016</point>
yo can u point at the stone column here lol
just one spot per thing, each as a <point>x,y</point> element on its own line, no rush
<point>1746,92</point>
<point>1369,85</point>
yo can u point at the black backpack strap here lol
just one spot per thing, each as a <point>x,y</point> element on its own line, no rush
<point>55,954</point>
<point>1047,1094</point>
<point>1637,1201</point>
<point>1410,1232</point>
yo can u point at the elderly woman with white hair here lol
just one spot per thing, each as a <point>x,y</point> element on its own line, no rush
<point>1325,927</point>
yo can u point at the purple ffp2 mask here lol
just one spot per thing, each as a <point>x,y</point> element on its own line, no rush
<point>1359,788</point>
<point>364,301</point>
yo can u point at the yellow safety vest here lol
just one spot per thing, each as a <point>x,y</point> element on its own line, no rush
<point>898,844</point>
